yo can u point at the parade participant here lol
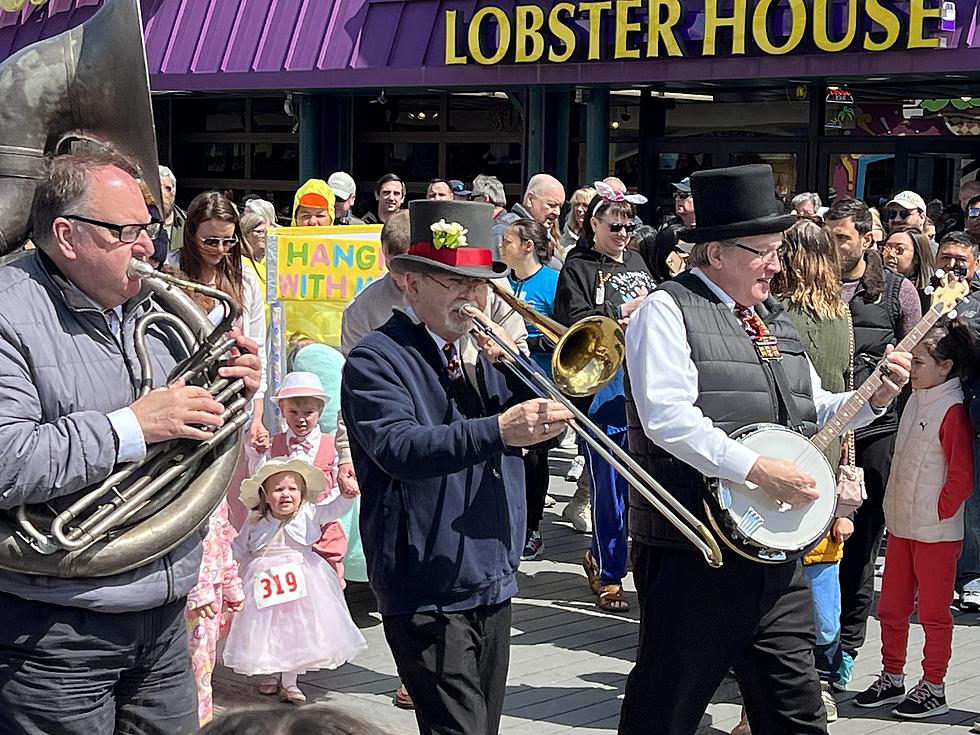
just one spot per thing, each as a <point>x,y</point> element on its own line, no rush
<point>68,311</point>
<point>437,454</point>
<point>884,307</point>
<point>602,277</point>
<point>212,256</point>
<point>294,618</point>
<point>390,193</point>
<point>932,477</point>
<point>696,377</point>
<point>526,249</point>
<point>313,204</point>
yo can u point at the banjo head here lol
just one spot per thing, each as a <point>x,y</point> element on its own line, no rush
<point>764,528</point>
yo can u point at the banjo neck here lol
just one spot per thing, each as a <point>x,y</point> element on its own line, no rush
<point>838,423</point>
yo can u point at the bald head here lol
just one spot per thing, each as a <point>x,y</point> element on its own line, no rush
<point>544,198</point>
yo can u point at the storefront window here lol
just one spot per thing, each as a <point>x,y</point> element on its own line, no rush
<point>466,160</point>
<point>275,161</point>
<point>624,162</point>
<point>481,114</point>
<point>398,114</point>
<point>213,115</point>
<point>866,176</point>
<point>762,117</point>
<point>269,116</point>
<point>872,114</point>
<point>211,160</point>
<point>411,161</point>
<point>671,169</point>
<point>784,167</point>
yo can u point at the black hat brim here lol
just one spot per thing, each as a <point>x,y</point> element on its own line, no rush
<point>748,228</point>
<point>406,263</point>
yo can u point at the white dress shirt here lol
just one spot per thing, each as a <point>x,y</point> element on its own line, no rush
<point>664,382</point>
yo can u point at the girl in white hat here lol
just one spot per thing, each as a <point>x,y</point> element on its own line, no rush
<point>295,618</point>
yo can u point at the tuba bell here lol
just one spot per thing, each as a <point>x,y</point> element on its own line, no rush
<point>89,83</point>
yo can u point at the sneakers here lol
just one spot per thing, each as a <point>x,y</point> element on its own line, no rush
<point>828,701</point>
<point>549,502</point>
<point>533,546</point>
<point>970,600</point>
<point>922,701</point>
<point>580,516</point>
<point>883,691</point>
<point>575,468</point>
<point>845,672</point>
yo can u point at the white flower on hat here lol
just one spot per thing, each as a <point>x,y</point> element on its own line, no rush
<point>450,235</point>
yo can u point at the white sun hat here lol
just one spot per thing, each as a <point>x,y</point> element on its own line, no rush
<point>314,478</point>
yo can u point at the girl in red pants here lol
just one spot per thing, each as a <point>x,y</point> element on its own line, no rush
<point>931,477</point>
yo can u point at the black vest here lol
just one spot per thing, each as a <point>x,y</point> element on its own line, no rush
<point>735,389</point>
<point>877,315</point>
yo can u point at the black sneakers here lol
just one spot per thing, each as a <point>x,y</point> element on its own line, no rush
<point>883,691</point>
<point>922,701</point>
<point>533,546</point>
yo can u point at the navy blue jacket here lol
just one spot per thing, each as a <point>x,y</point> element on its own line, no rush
<point>442,505</point>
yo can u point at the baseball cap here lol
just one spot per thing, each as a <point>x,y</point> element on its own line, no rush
<point>908,200</point>
<point>458,187</point>
<point>342,184</point>
<point>683,186</point>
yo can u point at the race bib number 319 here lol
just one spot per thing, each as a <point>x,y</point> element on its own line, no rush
<point>279,584</point>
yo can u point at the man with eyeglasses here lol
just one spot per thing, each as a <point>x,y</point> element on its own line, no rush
<point>709,353</point>
<point>107,654</point>
<point>437,452</point>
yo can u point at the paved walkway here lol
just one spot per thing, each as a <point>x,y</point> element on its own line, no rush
<point>569,660</point>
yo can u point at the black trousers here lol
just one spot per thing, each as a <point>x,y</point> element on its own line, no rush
<point>697,623</point>
<point>536,480</point>
<point>857,567</point>
<point>77,672</point>
<point>454,666</point>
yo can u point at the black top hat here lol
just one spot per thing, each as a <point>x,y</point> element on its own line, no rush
<point>738,201</point>
<point>452,237</point>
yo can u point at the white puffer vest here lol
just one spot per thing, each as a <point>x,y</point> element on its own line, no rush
<point>919,469</point>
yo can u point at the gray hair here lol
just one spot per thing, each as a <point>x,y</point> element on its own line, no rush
<point>491,187</point>
<point>699,253</point>
<point>539,181</point>
<point>250,220</point>
<point>166,173</point>
<point>264,208</point>
<point>807,196</point>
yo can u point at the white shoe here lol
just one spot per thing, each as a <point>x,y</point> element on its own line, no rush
<point>970,599</point>
<point>828,701</point>
<point>976,727</point>
<point>580,515</point>
<point>549,502</point>
<point>575,468</point>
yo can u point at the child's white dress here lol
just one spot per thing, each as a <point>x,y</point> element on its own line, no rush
<point>312,632</point>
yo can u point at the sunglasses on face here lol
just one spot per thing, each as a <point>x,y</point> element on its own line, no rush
<point>973,212</point>
<point>682,195</point>
<point>219,242</point>
<point>615,227</point>
<point>901,213</point>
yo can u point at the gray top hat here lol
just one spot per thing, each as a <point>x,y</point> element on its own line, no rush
<point>450,237</point>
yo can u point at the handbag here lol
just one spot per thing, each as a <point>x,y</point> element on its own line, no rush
<point>851,491</point>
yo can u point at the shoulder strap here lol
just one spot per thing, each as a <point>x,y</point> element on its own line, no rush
<point>785,396</point>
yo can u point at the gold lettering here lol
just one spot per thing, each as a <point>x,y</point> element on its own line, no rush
<point>451,56</point>
<point>561,32</point>
<point>624,27</point>
<point>887,19</point>
<point>821,35</point>
<point>662,29</point>
<point>503,39</point>
<point>530,21</point>
<point>760,27</point>
<point>594,11</point>
<point>712,23</point>
<point>918,15</point>
<point>11,6</point>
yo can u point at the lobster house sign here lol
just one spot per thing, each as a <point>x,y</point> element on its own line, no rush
<point>622,30</point>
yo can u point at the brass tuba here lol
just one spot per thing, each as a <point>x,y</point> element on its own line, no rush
<point>89,83</point>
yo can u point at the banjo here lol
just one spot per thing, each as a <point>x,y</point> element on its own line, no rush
<point>766,530</point>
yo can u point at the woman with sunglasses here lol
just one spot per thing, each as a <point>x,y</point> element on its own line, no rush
<point>601,276</point>
<point>212,256</point>
<point>907,252</point>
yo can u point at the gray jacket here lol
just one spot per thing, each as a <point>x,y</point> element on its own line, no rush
<point>62,371</point>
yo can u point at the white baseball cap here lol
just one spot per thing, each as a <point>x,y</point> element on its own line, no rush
<point>342,184</point>
<point>908,200</point>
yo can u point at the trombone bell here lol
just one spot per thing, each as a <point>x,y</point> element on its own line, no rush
<point>588,356</point>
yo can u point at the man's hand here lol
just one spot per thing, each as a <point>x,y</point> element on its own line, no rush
<point>490,347</point>
<point>783,481</point>
<point>177,412</point>
<point>234,607</point>
<point>897,365</point>
<point>532,422</point>
<point>347,480</point>
<point>243,363</point>
<point>841,530</point>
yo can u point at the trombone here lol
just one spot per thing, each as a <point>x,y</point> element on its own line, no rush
<point>588,355</point>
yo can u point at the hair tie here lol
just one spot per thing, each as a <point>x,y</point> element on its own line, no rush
<point>608,195</point>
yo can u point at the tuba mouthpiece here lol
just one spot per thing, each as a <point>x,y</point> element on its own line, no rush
<point>139,269</point>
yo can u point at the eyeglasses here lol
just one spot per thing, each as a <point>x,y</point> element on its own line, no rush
<point>898,248</point>
<point>259,232</point>
<point>618,226</point>
<point>973,212</point>
<point>682,195</point>
<point>218,242</point>
<point>460,285</point>
<point>900,213</point>
<point>766,255</point>
<point>125,233</point>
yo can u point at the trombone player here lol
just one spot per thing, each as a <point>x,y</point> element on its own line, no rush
<point>438,459</point>
<point>110,651</point>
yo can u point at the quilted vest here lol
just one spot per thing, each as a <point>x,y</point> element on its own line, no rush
<point>735,389</point>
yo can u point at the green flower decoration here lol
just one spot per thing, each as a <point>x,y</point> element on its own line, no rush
<point>450,235</point>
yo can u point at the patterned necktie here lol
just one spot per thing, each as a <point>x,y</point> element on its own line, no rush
<point>453,365</point>
<point>298,442</point>
<point>751,322</point>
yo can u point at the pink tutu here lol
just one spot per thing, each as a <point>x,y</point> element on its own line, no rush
<point>313,632</point>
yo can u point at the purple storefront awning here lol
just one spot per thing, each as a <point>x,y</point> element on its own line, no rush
<point>338,44</point>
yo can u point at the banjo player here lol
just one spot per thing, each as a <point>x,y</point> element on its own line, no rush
<point>726,356</point>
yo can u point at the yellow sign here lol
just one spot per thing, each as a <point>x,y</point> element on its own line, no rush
<point>647,29</point>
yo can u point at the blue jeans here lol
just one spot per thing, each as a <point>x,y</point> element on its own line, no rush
<point>610,516</point>
<point>968,567</point>
<point>825,589</point>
